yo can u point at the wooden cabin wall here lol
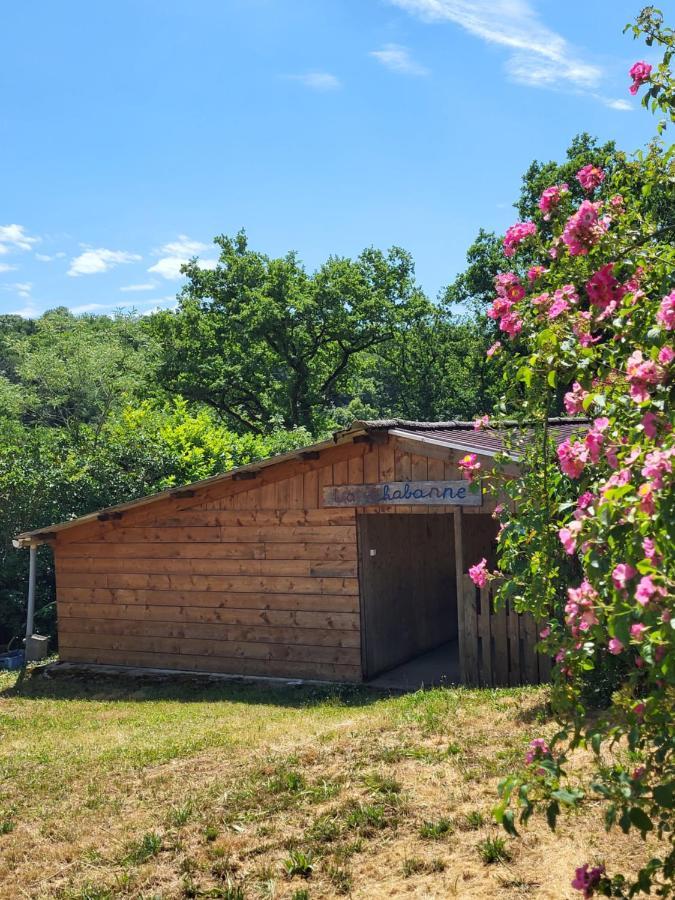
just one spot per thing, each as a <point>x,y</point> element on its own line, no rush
<point>245,577</point>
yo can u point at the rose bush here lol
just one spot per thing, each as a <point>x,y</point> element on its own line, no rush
<point>586,542</point>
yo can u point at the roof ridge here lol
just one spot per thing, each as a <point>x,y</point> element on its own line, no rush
<point>375,424</point>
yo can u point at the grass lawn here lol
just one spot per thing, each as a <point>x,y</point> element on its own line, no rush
<point>120,787</point>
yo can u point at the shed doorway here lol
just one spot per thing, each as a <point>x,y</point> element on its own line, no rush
<point>408,599</point>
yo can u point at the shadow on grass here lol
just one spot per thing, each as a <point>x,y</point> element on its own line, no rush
<point>41,683</point>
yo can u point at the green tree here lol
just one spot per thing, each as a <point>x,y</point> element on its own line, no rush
<point>261,340</point>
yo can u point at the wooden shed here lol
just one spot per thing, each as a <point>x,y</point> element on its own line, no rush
<point>337,562</point>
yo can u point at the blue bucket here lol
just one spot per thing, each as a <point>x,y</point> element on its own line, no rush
<point>14,659</point>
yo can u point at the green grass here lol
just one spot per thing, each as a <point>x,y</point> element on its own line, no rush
<point>121,787</point>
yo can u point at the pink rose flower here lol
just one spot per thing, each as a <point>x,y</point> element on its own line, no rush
<point>568,536</point>
<point>507,284</point>
<point>637,630</point>
<point>649,422</point>
<point>580,608</point>
<point>621,574</point>
<point>535,272</point>
<point>586,880</point>
<point>551,198</point>
<point>572,457</point>
<point>584,229</point>
<point>604,290</point>
<point>481,422</point>
<point>590,177</point>
<point>666,314</point>
<point>615,646</point>
<point>647,590</point>
<point>516,234</point>
<point>479,574</point>
<point>469,466</point>
<point>545,632</point>
<point>642,374</point>
<point>639,72</point>
<point>493,349</point>
<point>666,355</point>
<point>538,749</point>
<point>574,399</point>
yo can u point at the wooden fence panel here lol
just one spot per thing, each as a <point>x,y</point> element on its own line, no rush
<point>499,646</point>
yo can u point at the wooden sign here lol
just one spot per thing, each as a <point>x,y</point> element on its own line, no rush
<point>410,493</point>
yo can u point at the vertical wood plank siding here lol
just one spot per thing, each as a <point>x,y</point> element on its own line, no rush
<point>500,646</point>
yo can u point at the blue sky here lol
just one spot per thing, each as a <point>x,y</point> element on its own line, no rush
<point>134,131</point>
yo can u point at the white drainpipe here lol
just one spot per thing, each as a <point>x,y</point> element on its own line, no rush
<point>32,567</point>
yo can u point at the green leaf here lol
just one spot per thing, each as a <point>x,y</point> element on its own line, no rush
<point>664,794</point>
<point>552,811</point>
<point>569,798</point>
<point>640,819</point>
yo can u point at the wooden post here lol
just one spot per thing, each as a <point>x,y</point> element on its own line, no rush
<point>461,609</point>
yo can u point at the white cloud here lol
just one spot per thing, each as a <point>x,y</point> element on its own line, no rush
<point>88,307</point>
<point>176,253</point>
<point>621,105</point>
<point>5,267</point>
<point>539,56</point>
<point>398,59</point>
<point>147,286</point>
<point>14,237</point>
<point>91,262</point>
<point>44,257</point>
<point>20,288</point>
<point>318,81</point>
<point>29,311</point>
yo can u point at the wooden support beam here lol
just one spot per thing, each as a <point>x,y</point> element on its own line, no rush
<point>461,608</point>
<point>310,454</point>
<point>362,439</point>
<point>183,494</point>
<point>105,517</point>
<point>244,476</point>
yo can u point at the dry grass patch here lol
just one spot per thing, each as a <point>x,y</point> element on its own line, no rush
<point>117,787</point>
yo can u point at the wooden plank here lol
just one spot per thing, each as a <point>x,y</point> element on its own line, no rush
<point>154,566</point>
<point>167,549</point>
<point>431,451</point>
<point>386,462</point>
<point>227,615</point>
<point>266,584</point>
<point>470,673</point>
<point>436,470</point>
<point>485,635</point>
<point>371,465</point>
<point>310,551</point>
<point>252,600</point>
<point>419,468</point>
<point>513,634</point>
<point>341,472</point>
<point>265,516</point>
<point>260,668</point>
<point>311,495</point>
<point>528,634</point>
<point>312,637</point>
<point>296,499</point>
<point>500,662</point>
<point>227,533</point>
<point>325,478</point>
<point>462,637</point>
<point>355,470</point>
<point>221,649</point>
<point>407,493</point>
<point>402,464</point>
